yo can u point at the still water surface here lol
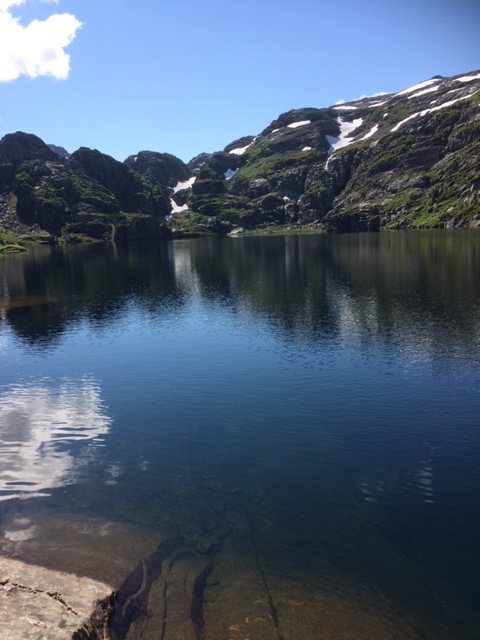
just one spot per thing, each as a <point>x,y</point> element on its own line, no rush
<point>301,410</point>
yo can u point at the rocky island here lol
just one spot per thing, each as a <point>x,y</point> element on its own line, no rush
<point>397,161</point>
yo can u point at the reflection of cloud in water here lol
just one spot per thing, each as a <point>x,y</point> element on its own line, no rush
<point>36,424</point>
<point>419,480</point>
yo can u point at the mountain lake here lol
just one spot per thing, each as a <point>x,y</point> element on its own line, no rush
<point>250,438</point>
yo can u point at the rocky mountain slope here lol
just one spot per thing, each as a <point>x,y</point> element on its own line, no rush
<point>410,159</point>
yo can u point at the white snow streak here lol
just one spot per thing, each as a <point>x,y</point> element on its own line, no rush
<point>239,151</point>
<point>450,102</point>
<point>307,149</point>
<point>377,104</point>
<point>229,173</point>
<point>402,122</point>
<point>372,132</point>
<point>425,111</point>
<point>300,123</point>
<point>416,87</point>
<point>176,208</point>
<point>468,78</point>
<point>421,93</point>
<point>346,128</point>
<point>344,108</point>
<point>184,185</point>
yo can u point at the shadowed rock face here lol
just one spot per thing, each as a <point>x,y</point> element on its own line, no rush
<point>132,193</point>
<point>396,161</point>
<point>19,147</point>
<point>161,169</point>
<point>86,195</point>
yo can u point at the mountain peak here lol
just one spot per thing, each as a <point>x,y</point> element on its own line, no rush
<point>399,160</point>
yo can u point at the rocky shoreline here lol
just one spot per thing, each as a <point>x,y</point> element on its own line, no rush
<point>198,581</point>
<point>37,603</point>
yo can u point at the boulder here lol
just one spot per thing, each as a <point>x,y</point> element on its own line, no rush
<point>40,603</point>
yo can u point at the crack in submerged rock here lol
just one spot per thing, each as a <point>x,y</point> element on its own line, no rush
<point>271,604</point>
<point>165,611</point>
<point>196,608</point>
<point>133,595</point>
<point>162,597</point>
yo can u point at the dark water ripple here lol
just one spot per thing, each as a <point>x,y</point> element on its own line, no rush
<point>324,390</point>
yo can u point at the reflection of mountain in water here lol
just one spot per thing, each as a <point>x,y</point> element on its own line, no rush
<point>36,424</point>
<point>423,287</point>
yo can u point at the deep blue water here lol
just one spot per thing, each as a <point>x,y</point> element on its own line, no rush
<point>328,386</point>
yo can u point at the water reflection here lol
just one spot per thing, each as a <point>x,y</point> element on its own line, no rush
<point>39,424</point>
<point>312,399</point>
<point>419,290</point>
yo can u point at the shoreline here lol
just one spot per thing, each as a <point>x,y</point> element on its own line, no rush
<point>36,602</point>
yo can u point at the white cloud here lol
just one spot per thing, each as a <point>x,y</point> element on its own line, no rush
<point>6,4</point>
<point>36,49</point>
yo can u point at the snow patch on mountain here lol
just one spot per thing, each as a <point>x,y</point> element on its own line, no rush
<point>421,93</point>
<point>343,140</point>
<point>371,133</point>
<point>300,123</point>
<point>426,111</point>
<point>240,150</point>
<point>468,78</point>
<point>184,185</point>
<point>177,208</point>
<point>417,87</point>
<point>229,173</point>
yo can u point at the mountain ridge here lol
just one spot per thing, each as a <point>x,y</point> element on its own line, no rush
<point>405,160</point>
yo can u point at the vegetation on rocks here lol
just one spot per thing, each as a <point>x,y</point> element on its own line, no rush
<point>404,160</point>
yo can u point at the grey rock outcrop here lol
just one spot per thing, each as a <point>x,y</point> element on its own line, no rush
<point>40,603</point>
<point>161,169</point>
<point>87,195</point>
<point>403,160</point>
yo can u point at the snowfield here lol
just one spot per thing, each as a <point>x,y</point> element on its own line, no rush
<point>421,93</point>
<point>229,173</point>
<point>468,78</point>
<point>184,185</point>
<point>416,87</point>
<point>346,129</point>
<point>300,123</point>
<point>425,111</point>
<point>371,133</point>
<point>177,208</point>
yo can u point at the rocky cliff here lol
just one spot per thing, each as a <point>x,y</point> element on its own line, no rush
<point>85,196</point>
<point>404,160</point>
<point>410,159</point>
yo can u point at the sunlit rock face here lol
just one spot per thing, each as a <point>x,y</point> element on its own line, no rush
<point>401,160</point>
<point>39,424</point>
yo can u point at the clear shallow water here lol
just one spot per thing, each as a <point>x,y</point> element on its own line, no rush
<point>324,390</point>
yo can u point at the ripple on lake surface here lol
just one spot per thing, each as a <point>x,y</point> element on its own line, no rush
<point>286,429</point>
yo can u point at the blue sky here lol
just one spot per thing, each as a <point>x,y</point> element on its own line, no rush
<point>186,76</point>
